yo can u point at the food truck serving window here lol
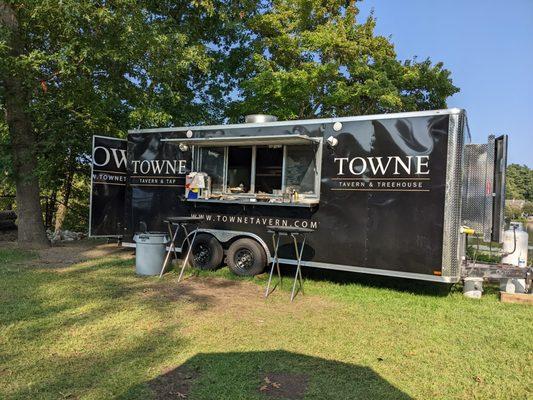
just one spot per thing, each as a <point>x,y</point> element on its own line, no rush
<point>275,173</point>
<point>260,169</point>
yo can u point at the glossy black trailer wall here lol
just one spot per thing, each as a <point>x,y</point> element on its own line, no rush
<point>381,197</point>
<point>108,184</point>
<point>156,172</point>
<point>394,220</point>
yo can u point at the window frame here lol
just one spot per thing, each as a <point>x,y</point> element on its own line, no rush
<point>197,155</point>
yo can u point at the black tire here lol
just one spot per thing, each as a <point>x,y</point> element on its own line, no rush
<point>246,257</point>
<point>207,252</point>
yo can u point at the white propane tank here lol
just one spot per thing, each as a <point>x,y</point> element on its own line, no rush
<point>518,257</point>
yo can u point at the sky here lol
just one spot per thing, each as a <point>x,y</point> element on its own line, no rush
<point>488,47</point>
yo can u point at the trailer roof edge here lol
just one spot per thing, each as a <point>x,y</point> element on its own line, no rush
<point>448,111</point>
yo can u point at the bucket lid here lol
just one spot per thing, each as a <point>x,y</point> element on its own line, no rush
<point>151,238</point>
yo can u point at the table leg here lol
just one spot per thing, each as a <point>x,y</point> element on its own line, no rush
<point>169,226</point>
<point>172,248</point>
<point>298,276</point>
<point>275,261</point>
<point>189,250</point>
<point>300,263</point>
<point>279,272</point>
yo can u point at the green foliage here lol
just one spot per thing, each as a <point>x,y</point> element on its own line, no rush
<point>104,67</point>
<point>528,208</point>
<point>5,162</point>
<point>519,182</point>
<point>311,58</point>
<point>481,256</point>
<point>77,218</point>
<point>513,211</point>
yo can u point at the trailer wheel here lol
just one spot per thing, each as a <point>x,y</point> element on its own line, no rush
<point>246,257</point>
<point>207,252</point>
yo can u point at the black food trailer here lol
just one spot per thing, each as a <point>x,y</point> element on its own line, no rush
<point>386,194</point>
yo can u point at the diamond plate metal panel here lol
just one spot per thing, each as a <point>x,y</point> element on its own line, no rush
<point>478,187</point>
<point>475,173</point>
<point>452,202</point>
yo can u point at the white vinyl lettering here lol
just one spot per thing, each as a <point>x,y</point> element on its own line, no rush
<point>107,156</point>
<point>122,159</point>
<point>145,163</point>
<point>363,166</point>
<point>157,167</point>
<point>182,167</point>
<point>171,167</point>
<point>341,165</point>
<point>421,164</point>
<point>135,165</point>
<point>406,166</point>
<point>379,165</point>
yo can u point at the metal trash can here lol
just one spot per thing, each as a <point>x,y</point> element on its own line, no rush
<point>150,252</point>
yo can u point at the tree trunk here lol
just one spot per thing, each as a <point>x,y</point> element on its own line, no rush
<point>65,195</point>
<point>51,209</point>
<point>31,232</point>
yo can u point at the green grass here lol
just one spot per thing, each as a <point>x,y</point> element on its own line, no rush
<point>10,257</point>
<point>96,331</point>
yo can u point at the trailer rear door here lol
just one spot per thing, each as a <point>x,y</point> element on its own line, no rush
<point>498,205</point>
<point>484,187</point>
<point>108,187</point>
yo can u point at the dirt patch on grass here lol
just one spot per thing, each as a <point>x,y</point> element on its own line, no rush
<point>173,384</point>
<point>68,253</point>
<point>284,385</point>
<point>176,383</point>
<point>76,252</point>
<point>196,289</point>
<point>240,300</point>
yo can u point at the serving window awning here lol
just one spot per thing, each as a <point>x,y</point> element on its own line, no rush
<point>264,140</point>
